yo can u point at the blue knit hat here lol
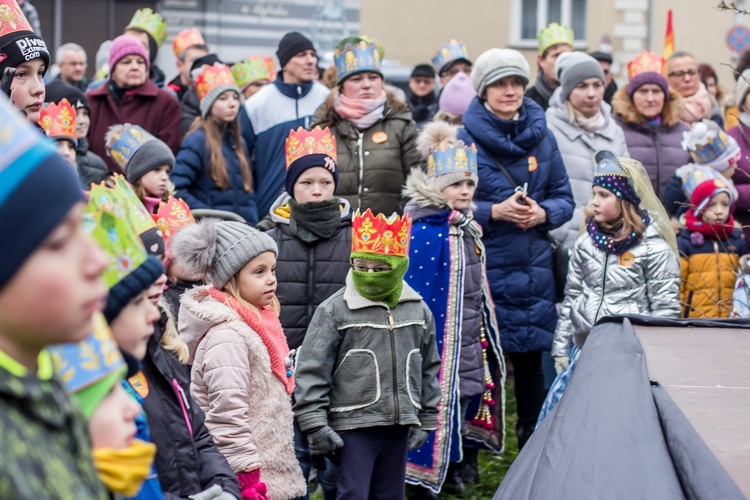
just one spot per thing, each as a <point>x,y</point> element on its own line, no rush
<point>37,189</point>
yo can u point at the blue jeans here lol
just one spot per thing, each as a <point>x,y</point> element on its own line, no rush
<point>326,476</point>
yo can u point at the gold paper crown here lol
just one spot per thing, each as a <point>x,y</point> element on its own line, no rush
<point>646,62</point>
<point>151,22</point>
<point>117,196</point>
<point>379,235</point>
<point>12,19</point>
<point>554,34</point>
<point>59,120</point>
<point>211,77</point>
<point>186,39</point>
<point>303,143</point>
<point>172,216</point>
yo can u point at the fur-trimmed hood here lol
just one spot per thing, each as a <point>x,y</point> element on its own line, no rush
<point>423,194</point>
<point>624,109</point>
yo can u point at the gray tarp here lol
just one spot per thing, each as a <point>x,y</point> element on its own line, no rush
<point>615,435</point>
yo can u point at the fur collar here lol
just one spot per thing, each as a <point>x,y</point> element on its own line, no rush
<point>624,109</point>
<point>422,192</point>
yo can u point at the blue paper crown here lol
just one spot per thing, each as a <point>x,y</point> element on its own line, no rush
<point>446,159</point>
<point>448,53</point>
<point>83,364</point>
<point>711,150</point>
<point>130,140</point>
<point>356,58</point>
<point>697,176</point>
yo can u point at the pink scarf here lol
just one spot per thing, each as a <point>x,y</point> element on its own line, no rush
<point>270,332</point>
<point>362,113</point>
<point>697,106</point>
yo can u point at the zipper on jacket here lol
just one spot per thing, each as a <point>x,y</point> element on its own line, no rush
<point>719,303</point>
<point>392,335</point>
<point>296,101</point>
<point>310,283</point>
<point>604,282</point>
<point>360,140</point>
<point>184,405</point>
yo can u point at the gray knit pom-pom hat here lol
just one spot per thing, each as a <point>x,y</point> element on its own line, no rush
<point>496,64</point>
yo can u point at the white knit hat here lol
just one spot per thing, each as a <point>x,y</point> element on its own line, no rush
<point>743,87</point>
<point>496,64</point>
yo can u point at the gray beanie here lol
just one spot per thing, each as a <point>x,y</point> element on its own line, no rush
<point>572,68</point>
<point>496,64</point>
<point>149,156</point>
<point>219,250</point>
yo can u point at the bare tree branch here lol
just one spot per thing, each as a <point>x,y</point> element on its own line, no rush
<point>731,6</point>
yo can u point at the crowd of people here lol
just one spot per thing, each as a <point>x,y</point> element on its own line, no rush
<point>211,287</point>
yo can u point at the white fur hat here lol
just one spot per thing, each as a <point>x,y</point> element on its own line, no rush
<point>496,64</point>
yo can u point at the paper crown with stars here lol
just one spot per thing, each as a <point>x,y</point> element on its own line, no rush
<point>186,39</point>
<point>59,121</point>
<point>554,34</point>
<point>301,143</point>
<point>356,55</point>
<point>151,22</point>
<point>448,53</point>
<point>381,235</point>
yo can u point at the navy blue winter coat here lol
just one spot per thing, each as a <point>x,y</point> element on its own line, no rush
<point>194,184</point>
<point>519,263</point>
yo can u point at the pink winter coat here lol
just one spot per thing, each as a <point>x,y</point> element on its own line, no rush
<point>248,412</point>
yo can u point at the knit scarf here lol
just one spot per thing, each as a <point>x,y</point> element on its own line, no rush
<point>606,242</point>
<point>362,113</point>
<point>313,221</point>
<point>589,125</point>
<point>715,231</point>
<point>384,286</point>
<point>543,87</point>
<point>270,332</point>
<point>123,471</point>
<point>697,106</point>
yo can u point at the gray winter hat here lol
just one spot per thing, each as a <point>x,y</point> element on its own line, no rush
<point>220,84</point>
<point>218,250</point>
<point>572,68</point>
<point>150,156</point>
<point>496,64</point>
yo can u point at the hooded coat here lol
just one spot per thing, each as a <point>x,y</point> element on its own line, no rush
<point>657,147</point>
<point>374,163</point>
<point>578,148</point>
<point>519,263</point>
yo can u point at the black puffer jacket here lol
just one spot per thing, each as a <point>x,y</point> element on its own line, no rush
<point>187,460</point>
<point>91,168</point>
<point>308,273</point>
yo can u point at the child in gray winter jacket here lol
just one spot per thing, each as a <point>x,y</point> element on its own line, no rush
<point>367,369</point>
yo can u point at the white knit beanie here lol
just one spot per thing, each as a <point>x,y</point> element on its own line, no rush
<point>743,87</point>
<point>496,64</point>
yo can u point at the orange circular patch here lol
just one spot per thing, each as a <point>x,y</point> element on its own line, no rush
<point>379,137</point>
<point>719,184</point>
<point>627,259</point>
<point>532,163</point>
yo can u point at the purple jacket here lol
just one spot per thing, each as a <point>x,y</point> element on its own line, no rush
<point>741,178</point>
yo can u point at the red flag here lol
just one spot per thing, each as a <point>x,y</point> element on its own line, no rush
<point>669,36</point>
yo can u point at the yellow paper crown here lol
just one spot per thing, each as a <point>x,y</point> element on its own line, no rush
<point>151,22</point>
<point>303,143</point>
<point>381,235</point>
<point>647,62</point>
<point>186,39</point>
<point>117,196</point>
<point>252,69</point>
<point>59,120</point>
<point>553,35</point>
<point>172,216</point>
<point>212,77</point>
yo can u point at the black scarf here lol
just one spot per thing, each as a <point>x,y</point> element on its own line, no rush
<point>313,221</point>
<point>543,87</point>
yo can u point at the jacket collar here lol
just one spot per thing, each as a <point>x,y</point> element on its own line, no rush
<point>355,301</point>
<point>148,89</point>
<point>293,90</point>
<point>573,132</point>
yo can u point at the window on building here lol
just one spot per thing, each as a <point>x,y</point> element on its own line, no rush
<point>529,16</point>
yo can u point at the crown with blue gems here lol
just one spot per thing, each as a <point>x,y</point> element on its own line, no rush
<point>122,141</point>
<point>355,55</point>
<point>447,158</point>
<point>612,176</point>
<point>448,53</point>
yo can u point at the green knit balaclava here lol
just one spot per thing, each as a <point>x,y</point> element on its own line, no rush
<point>383,286</point>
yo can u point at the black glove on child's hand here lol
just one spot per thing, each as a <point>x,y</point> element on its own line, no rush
<point>417,437</point>
<point>324,440</point>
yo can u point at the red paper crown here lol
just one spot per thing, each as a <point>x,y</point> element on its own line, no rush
<point>12,19</point>
<point>172,216</point>
<point>647,61</point>
<point>59,120</point>
<point>186,39</point>
<point>212,77</point>
<point>379,235</point>
<point>302,143</point>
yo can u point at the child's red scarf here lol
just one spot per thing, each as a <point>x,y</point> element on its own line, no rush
<point>717,231</point>
<point>270,332</point>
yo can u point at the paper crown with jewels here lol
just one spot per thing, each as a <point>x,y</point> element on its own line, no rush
<point>612,176</point>
<point>356,55</point>
<point>151,22</point>
<point>709,145</point>
<point>117,196</point>
<point>696,176</point>
<point>381,235</point>
<point>646,62</point>
<point>172,215</point>
<point>252,69</point>
<point>301,143</point>
<point>12,19</point>
<point>448,53</point>
<point>212,77</point>
<point>554,34</point>
<point>447,158</point>
<point>59,121</point>
<point>186,39</point>
<point>123,142</point>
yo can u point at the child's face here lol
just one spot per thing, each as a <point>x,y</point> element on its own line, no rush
<point>718,210</point>
<point>606,205</point>
<point>226,106</point>
<point>52,296</point>
<point>460,194</point>
<point>315,184</point>
<point>83,120</point>
<point>257,280</point>
<point>155,181</point>
<point>67,151</point>
<point>157,289</point>
<point>27,88</point>
<point>370,266</point>
<point>112,425</point>
<point>729,172</point>
<point>133,327</point>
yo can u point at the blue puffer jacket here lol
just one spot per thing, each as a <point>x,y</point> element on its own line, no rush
<point>194,184</point>
<point>519,263</point>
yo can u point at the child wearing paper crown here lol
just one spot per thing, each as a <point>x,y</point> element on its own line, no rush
<point>146,161</point>
<point>59,123</point>
<point>448,270</point>
<point>710,247</point>
<point>213,169</point>
<point>367,370</point>
<point>50,287</point>
<point>242,372</point>
<point>624,263</point>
